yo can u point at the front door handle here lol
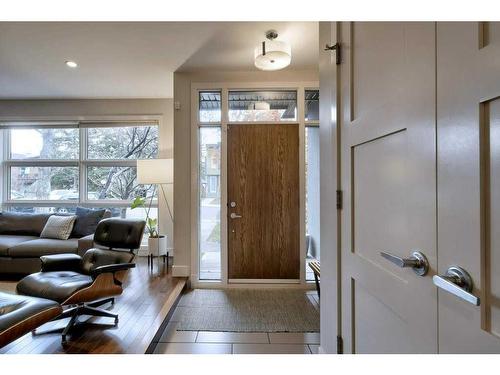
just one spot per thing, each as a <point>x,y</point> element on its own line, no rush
<point>234,216</point>
<point>458,282</point>
<point>417,261</point>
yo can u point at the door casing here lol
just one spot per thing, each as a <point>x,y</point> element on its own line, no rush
<point>225,87</point>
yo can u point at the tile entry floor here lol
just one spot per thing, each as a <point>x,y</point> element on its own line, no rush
<point>204,342</point>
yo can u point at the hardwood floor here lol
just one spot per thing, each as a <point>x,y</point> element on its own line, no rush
<point>144,304</point>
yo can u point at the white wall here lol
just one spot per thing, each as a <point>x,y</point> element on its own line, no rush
<point>184,228</point>
<point>78,108</point>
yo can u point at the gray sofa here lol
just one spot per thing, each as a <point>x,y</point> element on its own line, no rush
<point>21,246</point>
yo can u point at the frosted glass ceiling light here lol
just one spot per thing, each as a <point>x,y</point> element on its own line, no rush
<point>262,106</point>
<point>71,64</point>
<point>273,54</point>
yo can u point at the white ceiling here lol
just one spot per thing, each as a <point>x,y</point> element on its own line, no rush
<point>133,60</point>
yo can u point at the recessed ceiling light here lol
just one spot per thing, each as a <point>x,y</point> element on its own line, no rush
<point>71,64</point>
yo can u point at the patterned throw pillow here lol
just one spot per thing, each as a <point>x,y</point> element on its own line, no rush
<point>58,227</point>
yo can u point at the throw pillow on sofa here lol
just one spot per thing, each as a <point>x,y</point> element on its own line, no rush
<point>86,221</point>
<point>58,227</point>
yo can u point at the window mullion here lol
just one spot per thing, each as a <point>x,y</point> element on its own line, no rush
<point>82,167</point>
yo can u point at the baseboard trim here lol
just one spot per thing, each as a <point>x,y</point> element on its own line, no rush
<point>180,271</point>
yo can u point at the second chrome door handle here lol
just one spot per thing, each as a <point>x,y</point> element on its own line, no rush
<point>234,216</point>
<point>458,282</point>
<point>417,261</point>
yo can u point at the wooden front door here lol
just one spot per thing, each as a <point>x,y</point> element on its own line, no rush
<point>468,129</point>
<point>388,176</point>
<point>263,202</point>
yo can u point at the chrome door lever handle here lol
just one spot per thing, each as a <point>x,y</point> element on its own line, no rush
<point>234,216</point>
<point>417,261</point>
<point>458,282</point>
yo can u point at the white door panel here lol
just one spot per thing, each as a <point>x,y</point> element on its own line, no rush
<point>468,108</point>
<point>388,178</point>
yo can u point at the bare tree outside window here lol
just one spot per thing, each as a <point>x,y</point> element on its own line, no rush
<point>41,179</point>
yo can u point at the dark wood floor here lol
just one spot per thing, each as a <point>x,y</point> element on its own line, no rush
<point>144,304</point>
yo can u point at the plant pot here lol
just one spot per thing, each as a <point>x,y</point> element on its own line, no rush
<point>157,245</point>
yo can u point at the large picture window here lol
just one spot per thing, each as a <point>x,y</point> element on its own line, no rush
<point>54,168</point>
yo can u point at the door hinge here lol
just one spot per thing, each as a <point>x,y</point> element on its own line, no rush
<point>340,345</point>
<point>337,49</point>
<point>339,199</point>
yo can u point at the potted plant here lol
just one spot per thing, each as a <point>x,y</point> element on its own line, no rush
<point>157,243</point>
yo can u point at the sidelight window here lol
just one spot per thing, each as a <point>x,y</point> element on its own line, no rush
<point>210,201</point>
<point>312,198</point>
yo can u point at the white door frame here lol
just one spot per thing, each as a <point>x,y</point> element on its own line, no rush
<point>225,87</point>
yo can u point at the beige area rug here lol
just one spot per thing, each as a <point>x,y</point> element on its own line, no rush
<point>8,286</point>
<point>247,310</point>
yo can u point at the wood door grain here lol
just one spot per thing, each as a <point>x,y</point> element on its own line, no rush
<point>263,181</point>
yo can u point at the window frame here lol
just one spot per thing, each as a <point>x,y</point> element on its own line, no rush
<point>207,125</point>
<point>82,162</point>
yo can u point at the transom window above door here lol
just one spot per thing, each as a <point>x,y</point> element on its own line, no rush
<point>249,106</point>
<point>273,106</point>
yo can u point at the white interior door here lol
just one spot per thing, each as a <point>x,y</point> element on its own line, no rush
<point>388,178</point>
<point>468,123</point>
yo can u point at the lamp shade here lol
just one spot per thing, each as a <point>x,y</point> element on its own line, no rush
<point>273,55</point>
<point>155,171</point>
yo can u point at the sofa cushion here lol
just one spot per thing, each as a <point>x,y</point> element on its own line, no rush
<point>7,241</point>
<point>57,286</point>
<point>86,221</point>
<point>22,224</point>
<point>58,227</point>
<point>43,246</point>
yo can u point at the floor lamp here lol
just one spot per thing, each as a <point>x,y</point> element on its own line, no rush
<point>156,172</point>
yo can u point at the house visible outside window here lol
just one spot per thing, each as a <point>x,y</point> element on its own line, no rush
<point>54,168</point>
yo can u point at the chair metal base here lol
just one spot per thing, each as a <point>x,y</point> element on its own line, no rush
<point>75,311</point>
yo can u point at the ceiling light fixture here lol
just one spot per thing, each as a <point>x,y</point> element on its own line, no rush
<point>71,64</point>
<point>273,54</point>
<point>261,106</point>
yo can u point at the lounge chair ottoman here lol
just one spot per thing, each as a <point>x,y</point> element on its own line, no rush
<point>22,314</point>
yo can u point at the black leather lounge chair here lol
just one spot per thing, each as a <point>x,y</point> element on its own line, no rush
<point>82,284</point>
<point>21,314</point>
